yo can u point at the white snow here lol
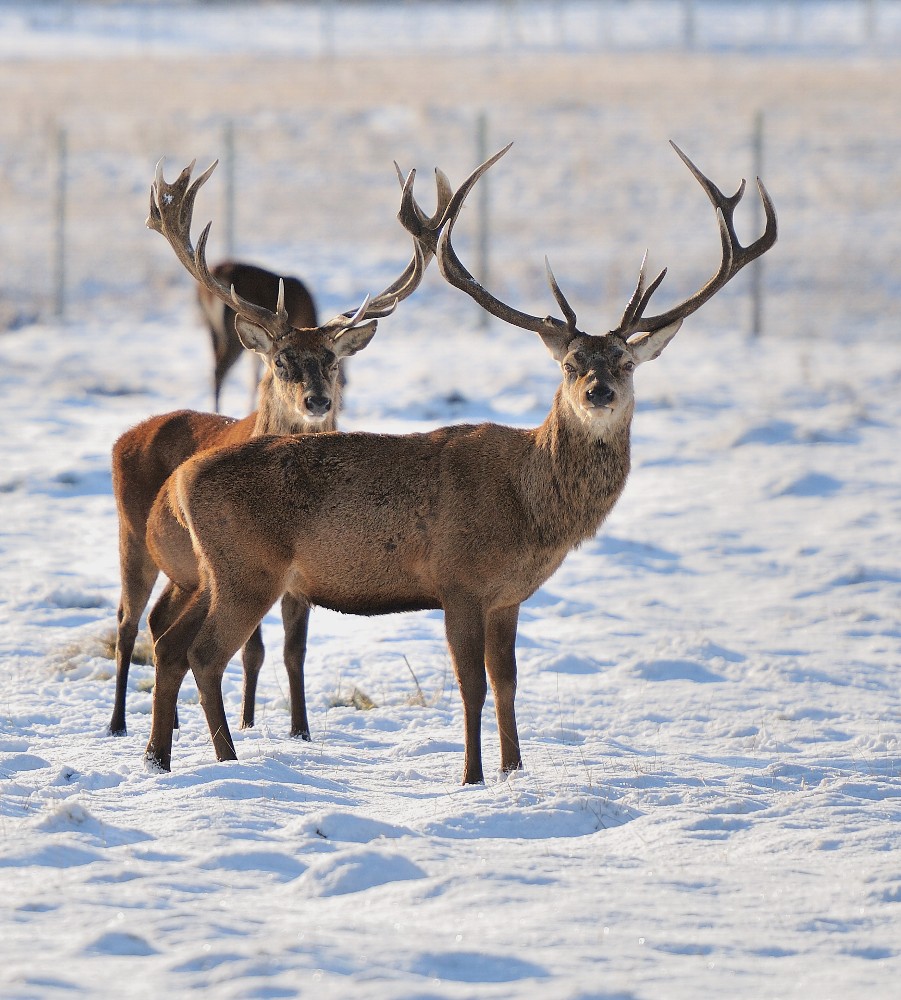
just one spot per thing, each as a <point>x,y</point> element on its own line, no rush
<point>708,701</point>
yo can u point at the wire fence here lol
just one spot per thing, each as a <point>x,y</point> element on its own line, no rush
<point>591,187</point>
<point>591,181</point>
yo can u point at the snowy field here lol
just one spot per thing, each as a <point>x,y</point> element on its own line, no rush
<point>709,691</point>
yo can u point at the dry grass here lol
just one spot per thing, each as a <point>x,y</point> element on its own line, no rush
<point>78,657</point>
<point>354,698</point>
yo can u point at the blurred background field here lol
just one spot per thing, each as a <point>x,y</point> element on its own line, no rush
<point>308,104</point>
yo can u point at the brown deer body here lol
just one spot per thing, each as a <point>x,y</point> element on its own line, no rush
<point>300,393</point>
<point>469,519</point>
<point>257,285</point>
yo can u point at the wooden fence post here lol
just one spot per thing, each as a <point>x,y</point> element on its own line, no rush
<point>483,265</point>
<point>757,151</point>
<point>228,164</point>
<point>689,25</point>
<point>59,242</point>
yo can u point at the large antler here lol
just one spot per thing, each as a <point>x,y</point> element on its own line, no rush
<point>456,274</point>
<point>171,212</point>
<point>735,256</point>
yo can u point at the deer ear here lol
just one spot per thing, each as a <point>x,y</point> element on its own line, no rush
<point>557,341</point>
<point>253,337</point>
<point>348,342</point>
<point>649,346</point>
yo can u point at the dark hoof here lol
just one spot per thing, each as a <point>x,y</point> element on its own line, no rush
<point>155,764</point>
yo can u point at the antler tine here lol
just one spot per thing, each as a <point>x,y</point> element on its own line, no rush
<point>171,214</point>
<point>565,307</point>
<point>424,228</point>
<point>639,300</point>
<point>734,255</point>
<point>456,274</point>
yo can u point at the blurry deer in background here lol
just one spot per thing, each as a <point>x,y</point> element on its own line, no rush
<point>300,393</point>
<point>256,285</point>
<point>470,518</point>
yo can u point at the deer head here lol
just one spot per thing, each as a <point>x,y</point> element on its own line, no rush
<point>597,369</point>
<point>303,364</point>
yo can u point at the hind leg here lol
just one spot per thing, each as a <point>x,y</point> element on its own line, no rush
<point>171,605</point>
<point>233,618</point>
<point>175,621</point>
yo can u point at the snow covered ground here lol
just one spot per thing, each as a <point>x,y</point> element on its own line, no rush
<point>709,690</point>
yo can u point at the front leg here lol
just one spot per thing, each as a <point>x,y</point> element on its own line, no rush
<point>296,617</point>
<point>465,630</point>
<point>252,655</point>
<point>500,660</point>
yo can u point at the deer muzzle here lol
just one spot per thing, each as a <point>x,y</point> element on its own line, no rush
<point>315,405</point>
<point>599,395</point>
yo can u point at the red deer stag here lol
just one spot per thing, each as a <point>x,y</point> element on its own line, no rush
<point>470,519</point>
<point>257,285</point>
<point>300,393</point>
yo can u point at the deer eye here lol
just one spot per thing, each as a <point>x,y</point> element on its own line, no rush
<point>568,368</point>
<point>278,362</point>
<point>628,366</point>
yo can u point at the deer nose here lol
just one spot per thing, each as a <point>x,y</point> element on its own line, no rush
<point>317,405</point>
<point>600,395</point>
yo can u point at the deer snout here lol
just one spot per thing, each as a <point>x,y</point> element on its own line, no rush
<point>316,405</point>
<point>599,394</point>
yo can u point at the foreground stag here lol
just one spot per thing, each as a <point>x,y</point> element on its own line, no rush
<point>470,519</point>
<point>300,394</point>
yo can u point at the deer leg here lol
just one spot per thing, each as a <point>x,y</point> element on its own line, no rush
<point>252,660</point>
<point>171,604</point>
<point>233,618</point>
<point>466,639</point>
<point>296,617</point>
<point>208,664</point>
<point>138,577</point>
<point>500,660</point>
<point>170,651</point>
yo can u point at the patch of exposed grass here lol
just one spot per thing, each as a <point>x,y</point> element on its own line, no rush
<point>75,659</point>
<point>355,698</point>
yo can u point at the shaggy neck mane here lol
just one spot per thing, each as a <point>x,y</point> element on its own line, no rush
<point>573,477</point>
